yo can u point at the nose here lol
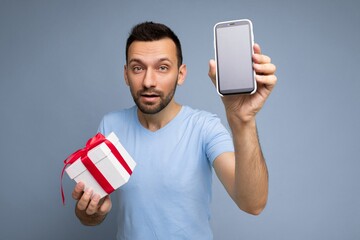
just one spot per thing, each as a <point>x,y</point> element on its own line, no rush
<point>149,78</point>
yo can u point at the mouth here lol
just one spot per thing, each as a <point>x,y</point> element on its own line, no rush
<point>149,97</point>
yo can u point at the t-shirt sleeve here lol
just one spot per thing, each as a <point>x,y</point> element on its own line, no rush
<point>217,139</point>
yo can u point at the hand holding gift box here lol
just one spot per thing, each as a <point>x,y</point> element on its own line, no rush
<point>103,165</point>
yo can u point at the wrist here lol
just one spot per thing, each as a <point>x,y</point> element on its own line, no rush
<point>237,122</point>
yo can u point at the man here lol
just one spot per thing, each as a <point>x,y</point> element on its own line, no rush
<point>176,147</point>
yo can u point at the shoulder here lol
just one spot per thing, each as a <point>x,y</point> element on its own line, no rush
<point>204,121</point>
<point>116,120</point>
<point>122,114</point>
<point>198,115</point>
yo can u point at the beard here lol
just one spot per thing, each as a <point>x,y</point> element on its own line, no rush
<point>153,107</point>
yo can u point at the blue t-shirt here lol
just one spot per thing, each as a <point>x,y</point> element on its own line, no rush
<point>168,195</point>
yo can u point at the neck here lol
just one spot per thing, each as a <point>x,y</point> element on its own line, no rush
<point>154,122</point>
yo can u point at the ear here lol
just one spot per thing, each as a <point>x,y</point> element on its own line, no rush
<point>182,74</point>
<point>126,75</point>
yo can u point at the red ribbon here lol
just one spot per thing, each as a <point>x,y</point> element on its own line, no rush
<point>90,166</point>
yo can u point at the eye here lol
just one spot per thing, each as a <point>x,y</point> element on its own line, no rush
<point>163,68</point>
<point>137,69</point>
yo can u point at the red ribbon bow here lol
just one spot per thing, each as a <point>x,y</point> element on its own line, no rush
<point>90,166</point>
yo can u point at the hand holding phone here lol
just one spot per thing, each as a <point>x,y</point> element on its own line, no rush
<point>234,42</point>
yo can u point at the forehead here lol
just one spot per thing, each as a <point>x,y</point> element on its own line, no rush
<point>163,48</point>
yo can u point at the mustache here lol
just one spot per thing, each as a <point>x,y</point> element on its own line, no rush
<point>149,92</point>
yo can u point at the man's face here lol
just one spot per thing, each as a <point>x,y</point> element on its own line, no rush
<point>152,74</point>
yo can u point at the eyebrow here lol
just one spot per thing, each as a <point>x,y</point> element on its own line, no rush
<point>137,60</point>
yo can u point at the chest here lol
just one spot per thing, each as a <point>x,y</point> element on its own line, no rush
<point>170,162</point>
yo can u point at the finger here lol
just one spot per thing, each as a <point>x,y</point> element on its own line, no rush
<point>257,48</point>
<point>264,69</point>
<point>212,70</point>
<point>93,206</point>
<point>84,200</point>
<point>78,190</point>
<point>260,58</point>
<point>105,206</point>
<point>269,80</point>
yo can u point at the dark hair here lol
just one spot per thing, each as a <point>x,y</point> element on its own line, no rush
<point>150,31</point>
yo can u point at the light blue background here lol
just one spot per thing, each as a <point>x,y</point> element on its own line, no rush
<point>61,70</point>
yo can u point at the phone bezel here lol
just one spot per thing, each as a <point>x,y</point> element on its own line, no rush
<point>233,23</point>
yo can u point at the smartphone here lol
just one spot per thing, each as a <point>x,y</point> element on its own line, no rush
<point>234,42</point>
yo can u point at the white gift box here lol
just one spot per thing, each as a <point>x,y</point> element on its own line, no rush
<point>106,163</point>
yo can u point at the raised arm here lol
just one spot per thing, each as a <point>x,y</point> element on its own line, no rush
<point>244,173</point>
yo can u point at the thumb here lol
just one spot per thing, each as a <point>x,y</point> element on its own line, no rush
<point>212,70</point>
